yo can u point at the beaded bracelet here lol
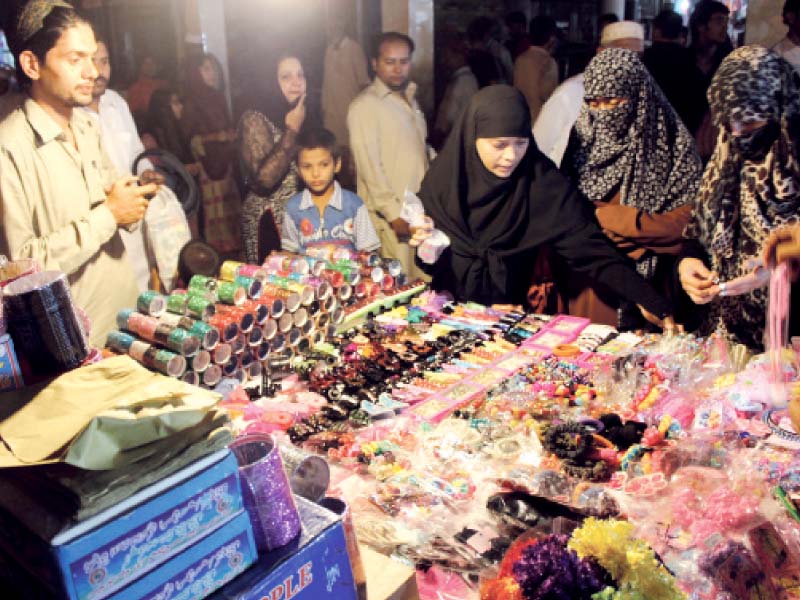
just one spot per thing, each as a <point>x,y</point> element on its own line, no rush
<point>776,429</point>
<point>590,470</point>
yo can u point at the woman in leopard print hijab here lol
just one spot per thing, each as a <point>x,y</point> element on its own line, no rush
<point>750,187</point>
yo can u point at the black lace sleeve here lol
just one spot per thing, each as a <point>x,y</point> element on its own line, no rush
<point>265,163</point>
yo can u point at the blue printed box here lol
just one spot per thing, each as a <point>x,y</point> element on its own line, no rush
<point>201,569</point>
<point>99,562</point>
<point>315,565</point>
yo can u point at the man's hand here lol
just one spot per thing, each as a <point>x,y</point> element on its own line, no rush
<point>127,200</point>
<point>401,228</point>
<point>697,281</point>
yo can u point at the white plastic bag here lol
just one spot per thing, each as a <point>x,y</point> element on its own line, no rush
<point>413,211</point>
<point>166,232</point>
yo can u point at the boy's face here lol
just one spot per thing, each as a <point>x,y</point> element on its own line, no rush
<point>318,168</point>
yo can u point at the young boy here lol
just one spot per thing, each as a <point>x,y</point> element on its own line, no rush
<point>324,214</point>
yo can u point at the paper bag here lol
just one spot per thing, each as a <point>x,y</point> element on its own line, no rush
<point>102,416</point>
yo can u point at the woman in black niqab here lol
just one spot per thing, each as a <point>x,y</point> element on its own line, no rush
<point>497,223</point>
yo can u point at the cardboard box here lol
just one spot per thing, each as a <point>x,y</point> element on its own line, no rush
<point>104,554</point>
<point>313,566</point>
<point>198,571</point>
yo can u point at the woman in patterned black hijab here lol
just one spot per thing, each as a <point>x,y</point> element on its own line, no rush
<point>635,160</point>
<point>751,186</point>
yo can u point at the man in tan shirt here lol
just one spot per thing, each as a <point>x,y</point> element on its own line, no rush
<point>54,173</point>
<point>387,136</point>
<point>535,70</point>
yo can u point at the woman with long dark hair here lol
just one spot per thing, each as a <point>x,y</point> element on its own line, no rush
<point>164,116</point>
<point>267,148</point>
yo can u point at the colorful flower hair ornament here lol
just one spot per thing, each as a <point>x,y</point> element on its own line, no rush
<point>639,575</point>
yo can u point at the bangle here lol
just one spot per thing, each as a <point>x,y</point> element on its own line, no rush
<point>777,429</point>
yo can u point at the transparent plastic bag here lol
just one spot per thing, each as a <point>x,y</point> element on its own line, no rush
<point>413,211</point>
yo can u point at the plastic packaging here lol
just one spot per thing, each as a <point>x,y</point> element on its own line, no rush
<point>414,212</point>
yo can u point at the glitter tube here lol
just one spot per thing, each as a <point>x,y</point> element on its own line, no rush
<point>255,336</point>
<point>200,307</point>
<point>252,286</point>
<point>212,375</point>
<point>394,266</point>
<point>293,337</point>
<point>177,303</point>
<point>263,350</point>
<point>300,317</point>
<point>209,336</point>
<point>285,323</point>
<point>278,343</point>
<point>191,378</point>
<point>230,367</point>
<point>202,284</point>
<point>275,305</point>
<point>253,271</point>
<point>291,299</point>
<point>222,354</point>
<point>151,303</point>
<point>227,327</point>
<point>266,491</point>
<point>308,328</point>
<point>201,361</point>
<point>269,329</point>
<point>254,370</point>
<point>229,270</point>
<point>119,341</point>
<point>238,344</point>
<point>259,311</point>
<point>163,361</point>
<point>329,304</point>
<point>344,292</point>
<point>231,293</point>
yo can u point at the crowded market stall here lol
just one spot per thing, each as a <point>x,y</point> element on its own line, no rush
<point>501,454</point>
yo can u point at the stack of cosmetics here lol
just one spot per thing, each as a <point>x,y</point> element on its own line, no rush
<point>233,325</point>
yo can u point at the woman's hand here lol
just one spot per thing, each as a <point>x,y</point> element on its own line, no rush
<point>697,281</point>
<point>783,245</point>
<point>667,323</point>
<point>421,233</point>
<point>296,116</point>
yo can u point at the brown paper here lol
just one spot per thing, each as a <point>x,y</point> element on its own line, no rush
<point>102,416</point>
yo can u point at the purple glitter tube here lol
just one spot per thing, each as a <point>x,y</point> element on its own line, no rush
<point>267,495</point>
